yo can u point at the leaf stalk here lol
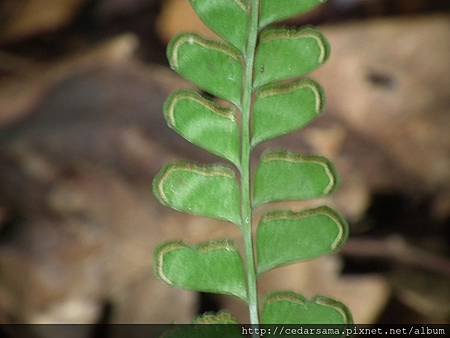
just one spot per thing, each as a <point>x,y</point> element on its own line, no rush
<point>245,169</point>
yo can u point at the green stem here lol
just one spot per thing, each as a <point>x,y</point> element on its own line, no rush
<point>245,164</point>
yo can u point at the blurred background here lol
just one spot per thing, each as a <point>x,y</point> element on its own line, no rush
<point>82,84</point>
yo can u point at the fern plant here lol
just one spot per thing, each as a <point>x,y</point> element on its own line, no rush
<point>257,75</point>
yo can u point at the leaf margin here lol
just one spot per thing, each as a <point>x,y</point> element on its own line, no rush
<point>276,215</point>
<point>218,46</point>
<point>170,246</point>
<point>264,23</point>
<point>291,296</point>
<point>328,166</point>
<point>221,317</point>
<point>278,34</point>
<point>219,110</point>
<point>202,169</point>
<point>289,87</point>
<point>243,5</point>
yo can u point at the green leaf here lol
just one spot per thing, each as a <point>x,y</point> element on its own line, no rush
<point>219,318</point>
<point>200,330</point>
<point>283,108</point>
<point>285,237</point>
<point>212,66</point>
<point>285,176</point>
<point>286,54</point>
<point>214,267</point>
<point>210,191</point>
<point>292,308</point>
<point>204,123</point>
<point>228,18</point>
<point>277,10</point>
